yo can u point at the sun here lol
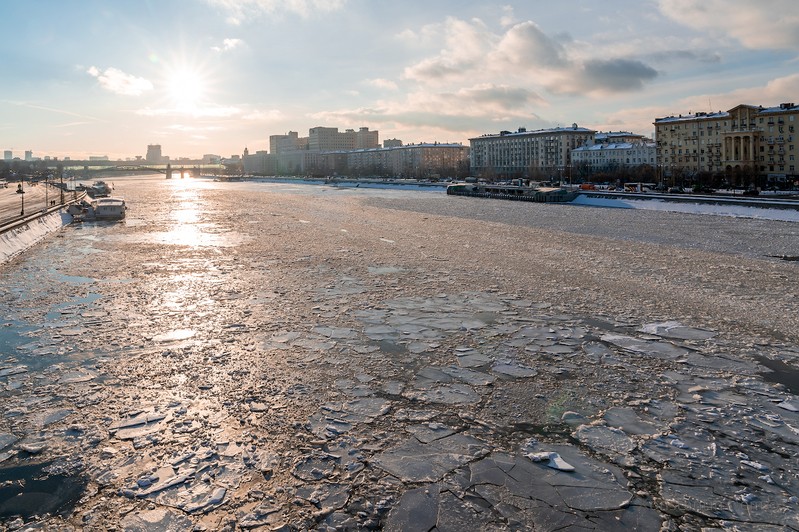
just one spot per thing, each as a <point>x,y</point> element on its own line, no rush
<point>187,89</point>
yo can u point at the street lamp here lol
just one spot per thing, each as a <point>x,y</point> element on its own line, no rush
<point>21,191</point>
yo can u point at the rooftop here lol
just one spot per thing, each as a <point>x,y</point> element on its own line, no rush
<point>523,132</point>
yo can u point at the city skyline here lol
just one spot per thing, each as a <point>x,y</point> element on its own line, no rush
<point>92,78</point>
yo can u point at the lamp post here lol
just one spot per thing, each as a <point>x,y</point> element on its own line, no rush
<point>21,191</point>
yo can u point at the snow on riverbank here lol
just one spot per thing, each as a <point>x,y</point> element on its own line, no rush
<point>735,211</point>
<point>21,238</point>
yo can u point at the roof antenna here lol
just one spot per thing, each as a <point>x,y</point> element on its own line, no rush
<point>709,105</point>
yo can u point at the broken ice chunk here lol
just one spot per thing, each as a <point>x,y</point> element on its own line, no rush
<point>553,460</point>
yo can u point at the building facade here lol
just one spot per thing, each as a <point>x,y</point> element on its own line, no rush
<point>745,145</point>
<point>415,161</point>
<point>330,139</point>
<point>544,153</point>
<point>602,156</point>
<point>419,161</point>
<point>154,154</point>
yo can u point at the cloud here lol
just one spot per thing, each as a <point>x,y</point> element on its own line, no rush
<point>765,24</point>
<point>612,75</point>
<point>207,111</point>
<point>507,16</point>
<point>116,81</point>
<point>452,111</point>
<point>381,83</point>
<point>524,56</point>
<point>228,45</point>
<point>699,56</point>
<point>465,45</point>
<point>265,115</point>
<point>525,45</point>
<point>241,10</point>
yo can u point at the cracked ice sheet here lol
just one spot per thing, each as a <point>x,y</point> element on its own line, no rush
<point>334,418</point>
<point>676,330</point>
<point>414,461</point>
<point>645,347</point>
<point>547,499</point>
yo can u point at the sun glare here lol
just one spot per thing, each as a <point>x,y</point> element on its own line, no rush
<point>186,89</point>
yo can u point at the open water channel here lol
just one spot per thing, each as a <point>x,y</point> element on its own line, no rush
<point>239,356</point>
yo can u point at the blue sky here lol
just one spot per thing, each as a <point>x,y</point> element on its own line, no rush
<point>91,77</point>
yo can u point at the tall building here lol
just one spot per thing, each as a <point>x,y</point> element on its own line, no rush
<point>154,154</point>
<point>392,143</point>
<point>8,155</point>
<point>745,145</point>
<point>28,155</point>
<point>289,142</point>
<point>321,139</point>
<point>541,153</point>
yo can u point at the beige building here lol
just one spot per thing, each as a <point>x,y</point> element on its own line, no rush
<point>745,145</point>
<point>330,139</point>
<point>542,153</point>
<point>425,160</point>
<point>289,142</point>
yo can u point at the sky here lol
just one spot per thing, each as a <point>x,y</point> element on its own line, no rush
<point>108,77</point>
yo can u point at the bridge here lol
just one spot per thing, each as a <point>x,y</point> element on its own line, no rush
<point>192,171</point>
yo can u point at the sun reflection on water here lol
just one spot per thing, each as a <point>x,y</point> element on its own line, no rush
<point>188,220</point>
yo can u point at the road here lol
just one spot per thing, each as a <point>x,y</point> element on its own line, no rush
<point>35,199</point>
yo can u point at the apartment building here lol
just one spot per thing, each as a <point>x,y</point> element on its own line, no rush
<point>543,152</point>
<point>747,144</point>
<point>602,156</point>
<point>410,161</point>
<point>330,139</point>
<point>289,142</point>
<point>425,160</point>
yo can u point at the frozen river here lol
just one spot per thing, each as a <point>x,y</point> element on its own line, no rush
<point>292,357</point>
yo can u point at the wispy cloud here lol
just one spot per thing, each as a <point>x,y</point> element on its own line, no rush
<point>240,10</point>
<point>53,110</point>
<point>114,80</point>
<point>228,45</point>
<point>381,83</point>
<point>209,111</point>
<point>765,24</point>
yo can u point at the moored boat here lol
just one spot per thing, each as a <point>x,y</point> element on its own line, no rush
<point>99,189</point>
<point>106,208</point>
<point>512,192</point>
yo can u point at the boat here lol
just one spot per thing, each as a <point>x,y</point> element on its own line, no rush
<point>100,189</point>
<point>105,208</point>
<point>109,208</point>
<point>512,192</point>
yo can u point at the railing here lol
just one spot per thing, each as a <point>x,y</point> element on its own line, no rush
<point>19,221</point>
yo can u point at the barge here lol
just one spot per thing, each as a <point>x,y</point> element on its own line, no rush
<point>512,192</point>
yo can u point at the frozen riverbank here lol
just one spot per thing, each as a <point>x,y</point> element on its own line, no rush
<point>22,236</point>
<point>384,359</point>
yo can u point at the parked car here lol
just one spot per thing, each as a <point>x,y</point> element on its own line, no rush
<point>676,190</point>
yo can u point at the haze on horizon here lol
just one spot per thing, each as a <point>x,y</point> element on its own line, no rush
<point>92,77</point>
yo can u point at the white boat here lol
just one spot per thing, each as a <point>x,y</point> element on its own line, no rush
<point>100,189</point>
<point>107,208</point>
